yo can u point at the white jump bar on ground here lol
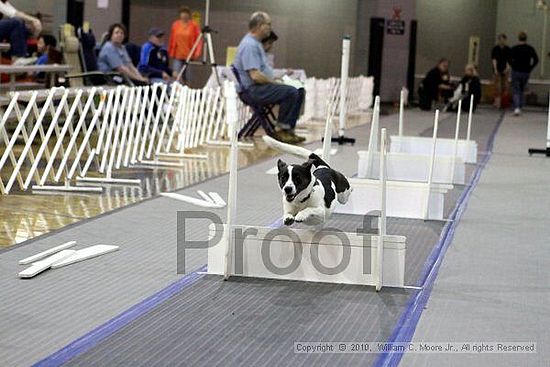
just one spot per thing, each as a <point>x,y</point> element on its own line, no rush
<point>40,266</point>
<point>85,254</point>
<point>46,253</point>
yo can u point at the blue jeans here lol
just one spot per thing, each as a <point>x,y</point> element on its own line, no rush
<point>14,30</point>
<point>288,98</point>
<point>177,65</point>
<point>519,81</point>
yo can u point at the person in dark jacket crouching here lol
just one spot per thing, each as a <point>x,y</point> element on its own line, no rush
<point>435,86</point>
<point>154,59</point>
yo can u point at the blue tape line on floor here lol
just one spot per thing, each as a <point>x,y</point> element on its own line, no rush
<point>91,339</point>
<point>406,325</point>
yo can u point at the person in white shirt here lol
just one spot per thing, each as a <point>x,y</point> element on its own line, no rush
<point>14,28</point>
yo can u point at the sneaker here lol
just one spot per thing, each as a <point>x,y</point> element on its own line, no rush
<point>517,111</point>
<point>288,136</point>
<point>298,138</point>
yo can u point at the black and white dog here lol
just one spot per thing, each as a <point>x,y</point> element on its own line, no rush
<point>310,190</point>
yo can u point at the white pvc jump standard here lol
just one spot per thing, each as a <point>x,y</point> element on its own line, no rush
<point>344,74</point>
<point>467,148</point>
<point>405,199</point>
<point>315,256</point>
<point>410,166</point>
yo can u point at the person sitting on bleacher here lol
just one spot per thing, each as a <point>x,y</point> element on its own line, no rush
<point>154,59</point>
<point>45,43</point>
<point>256,77</point>
<point>47,54</point>
<point>114,57</point>
<point>14,29</point>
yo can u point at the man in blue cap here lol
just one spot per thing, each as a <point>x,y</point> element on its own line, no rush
<point>154,58</point>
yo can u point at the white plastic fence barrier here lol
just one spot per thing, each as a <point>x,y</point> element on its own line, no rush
<point>88,134</point>
<point>60,121</point>
<point>320,93</point>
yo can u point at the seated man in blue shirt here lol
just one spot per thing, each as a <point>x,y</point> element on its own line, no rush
<point>256,78</point>
<point>154,58</point>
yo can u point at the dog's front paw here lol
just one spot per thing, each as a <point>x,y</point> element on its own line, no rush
<point>288,219</point>
<point>301,217</point>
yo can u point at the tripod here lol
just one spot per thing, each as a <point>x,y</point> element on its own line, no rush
<point>206,34</point>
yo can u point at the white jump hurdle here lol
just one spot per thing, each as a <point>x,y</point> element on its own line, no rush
<point>315,256</point>
<point>467,148</point>
<point>410,166</point>
<point>406,199</point>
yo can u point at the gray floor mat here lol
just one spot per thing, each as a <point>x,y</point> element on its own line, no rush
<point>40,316</point>
<point>251,322</point>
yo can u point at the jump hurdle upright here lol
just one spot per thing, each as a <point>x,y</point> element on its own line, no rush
<point>313,255</point>
<point>546,151</point>
<point>403,166</point>
<point>405,199</point>
<point>467,148</point>
<point>344,74</point>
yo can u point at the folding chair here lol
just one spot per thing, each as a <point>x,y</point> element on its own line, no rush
<point>262,114</point>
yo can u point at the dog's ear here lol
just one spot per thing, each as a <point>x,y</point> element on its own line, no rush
<point>309,166</point>
<point>281,165</point>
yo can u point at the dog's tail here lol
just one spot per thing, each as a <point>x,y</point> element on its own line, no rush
<point>287,148</point>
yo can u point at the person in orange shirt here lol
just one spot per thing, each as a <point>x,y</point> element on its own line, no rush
<point>183,35</point>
